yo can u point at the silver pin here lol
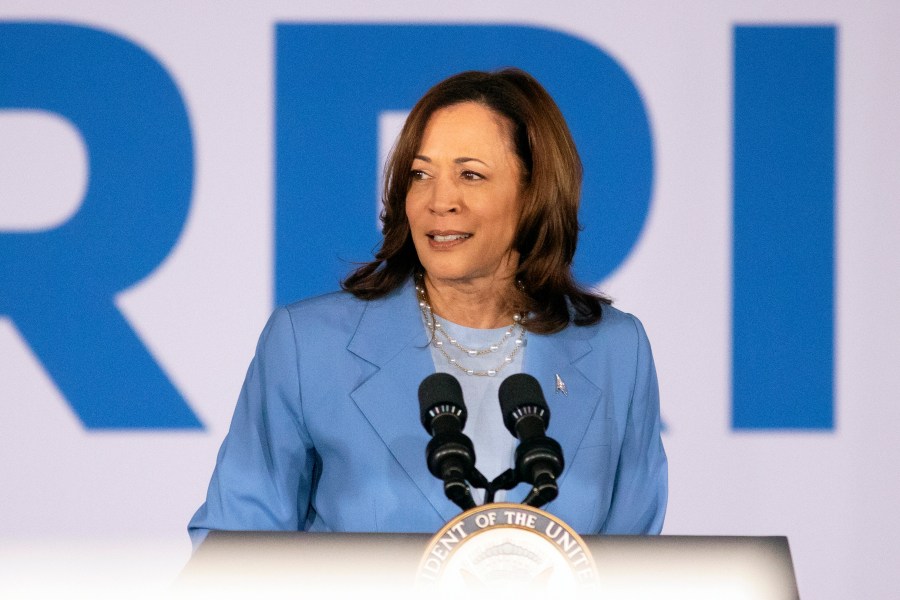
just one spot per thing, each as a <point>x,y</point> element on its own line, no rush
<point>561,386</point>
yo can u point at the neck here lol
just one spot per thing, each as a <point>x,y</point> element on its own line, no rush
<point>480,305</point>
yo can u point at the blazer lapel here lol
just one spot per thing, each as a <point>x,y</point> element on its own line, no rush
<point>392,338</point>
<point>547,357</point>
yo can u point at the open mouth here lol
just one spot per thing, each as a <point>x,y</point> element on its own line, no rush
<point>448,237</point>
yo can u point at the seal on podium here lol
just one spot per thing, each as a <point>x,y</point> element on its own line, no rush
<point>508,547</point>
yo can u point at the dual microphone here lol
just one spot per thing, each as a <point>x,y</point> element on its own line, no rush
<point>451,456</point>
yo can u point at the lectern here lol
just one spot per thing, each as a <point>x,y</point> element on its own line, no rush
<point>299,565</point>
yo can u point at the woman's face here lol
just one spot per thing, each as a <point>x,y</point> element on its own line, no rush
<point>464,199</point>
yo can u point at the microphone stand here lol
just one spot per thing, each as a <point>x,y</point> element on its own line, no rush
<point>456,488</point>
<point>542,492</point>
<point>506,480</point>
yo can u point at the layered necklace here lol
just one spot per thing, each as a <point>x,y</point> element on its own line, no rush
<point>513,337</point>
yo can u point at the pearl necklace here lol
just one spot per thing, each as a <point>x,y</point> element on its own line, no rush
<point>437,330</point>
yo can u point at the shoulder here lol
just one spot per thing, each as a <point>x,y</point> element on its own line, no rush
<point>324,309</point>
<point>615,327</point>
<point>334,315</point>
<point>615,344</point>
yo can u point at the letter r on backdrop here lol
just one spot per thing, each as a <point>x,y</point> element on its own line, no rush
<point>59,286</point>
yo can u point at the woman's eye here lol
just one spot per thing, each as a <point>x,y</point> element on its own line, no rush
<point>472,175</point>
<point>418,174</point>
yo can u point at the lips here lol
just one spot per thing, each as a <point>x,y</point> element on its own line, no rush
<point>450,237</point>
<point>446,237</point>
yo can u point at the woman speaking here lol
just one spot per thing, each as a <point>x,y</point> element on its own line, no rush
<point>473,278</point>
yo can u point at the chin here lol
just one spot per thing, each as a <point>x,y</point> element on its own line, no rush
<point>457,275</point>
<point>448,274</point>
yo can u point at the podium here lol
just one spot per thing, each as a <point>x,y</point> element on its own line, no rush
<point>294,564</point>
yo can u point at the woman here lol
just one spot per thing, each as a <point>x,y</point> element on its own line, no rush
<point>473,278</point>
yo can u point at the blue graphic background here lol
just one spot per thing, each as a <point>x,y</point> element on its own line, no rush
<point>332,82</point>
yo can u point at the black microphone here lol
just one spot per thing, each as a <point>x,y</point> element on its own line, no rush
<point>450,453</point>
<point>539,459</point>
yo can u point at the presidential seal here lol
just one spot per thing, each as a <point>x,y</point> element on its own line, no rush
<point>510,550</point>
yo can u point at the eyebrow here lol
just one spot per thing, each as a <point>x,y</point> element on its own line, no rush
<point>459,161</point>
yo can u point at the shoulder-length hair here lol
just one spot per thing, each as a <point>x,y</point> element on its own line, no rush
<point>547,231</point>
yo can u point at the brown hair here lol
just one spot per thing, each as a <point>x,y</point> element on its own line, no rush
<point>547,232</point>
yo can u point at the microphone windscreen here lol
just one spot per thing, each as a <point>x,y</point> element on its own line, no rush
<point>440,393</point>
<point>518,391</point>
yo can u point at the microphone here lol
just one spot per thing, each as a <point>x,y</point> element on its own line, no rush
<point>539,459</point>
<point>450,454</point>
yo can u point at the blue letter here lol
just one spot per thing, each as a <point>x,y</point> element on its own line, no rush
<point>59,285</point>
<point>784,99</point>
<point>334,80</point>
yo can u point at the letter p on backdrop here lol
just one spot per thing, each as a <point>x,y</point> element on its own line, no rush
<point>333,81</point>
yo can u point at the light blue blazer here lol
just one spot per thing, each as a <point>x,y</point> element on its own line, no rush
<point>326,433</point>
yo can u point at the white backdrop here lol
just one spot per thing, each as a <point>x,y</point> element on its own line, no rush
<point>833,492</point>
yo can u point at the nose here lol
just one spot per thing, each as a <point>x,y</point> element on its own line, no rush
<point>446,197</point>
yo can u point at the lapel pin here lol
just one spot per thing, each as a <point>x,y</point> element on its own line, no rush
<point>561,386</point>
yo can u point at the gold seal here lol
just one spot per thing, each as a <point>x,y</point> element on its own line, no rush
<point>508,548</point>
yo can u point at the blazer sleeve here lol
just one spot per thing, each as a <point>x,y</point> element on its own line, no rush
<point>265,468</point>
<point>640,492</point>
